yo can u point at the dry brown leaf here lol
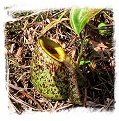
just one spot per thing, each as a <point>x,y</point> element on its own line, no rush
<point>97,44</point>
<point>30,38</point>
<point>99,47</point>
<point>18,54</point>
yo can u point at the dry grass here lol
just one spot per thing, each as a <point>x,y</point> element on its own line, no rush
<point>20,38</point>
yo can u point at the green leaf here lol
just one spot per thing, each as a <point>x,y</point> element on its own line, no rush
<point>101,31</point>
<point>84,62</point>
<point>80,16</point>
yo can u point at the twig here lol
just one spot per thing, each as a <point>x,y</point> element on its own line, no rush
<point>29,96</point>
<point>22,91</point>
<point>63,107</point>
<point>15,108</point>
<point>110,18</point>
<point>55,106</point>
<point>24,17</point>
<point>21,101</point>
<point>108,105</point>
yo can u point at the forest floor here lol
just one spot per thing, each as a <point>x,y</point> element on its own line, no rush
<point>98,55</point>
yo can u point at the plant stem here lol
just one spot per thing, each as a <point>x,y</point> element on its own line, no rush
<point>81,51</point>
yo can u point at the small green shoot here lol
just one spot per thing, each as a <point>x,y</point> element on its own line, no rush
<point>84,62</point>
<point>102,31</point>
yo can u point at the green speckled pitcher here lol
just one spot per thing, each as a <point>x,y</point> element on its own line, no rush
<point>53,73</point>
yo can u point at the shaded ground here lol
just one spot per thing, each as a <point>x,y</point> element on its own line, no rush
<point>20,38</point>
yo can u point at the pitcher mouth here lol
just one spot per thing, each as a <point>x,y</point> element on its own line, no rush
<point>53,49</point>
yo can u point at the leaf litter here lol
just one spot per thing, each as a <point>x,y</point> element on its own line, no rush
<point>20,38</point>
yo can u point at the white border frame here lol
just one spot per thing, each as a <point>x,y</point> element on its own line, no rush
<point>75,114</point>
